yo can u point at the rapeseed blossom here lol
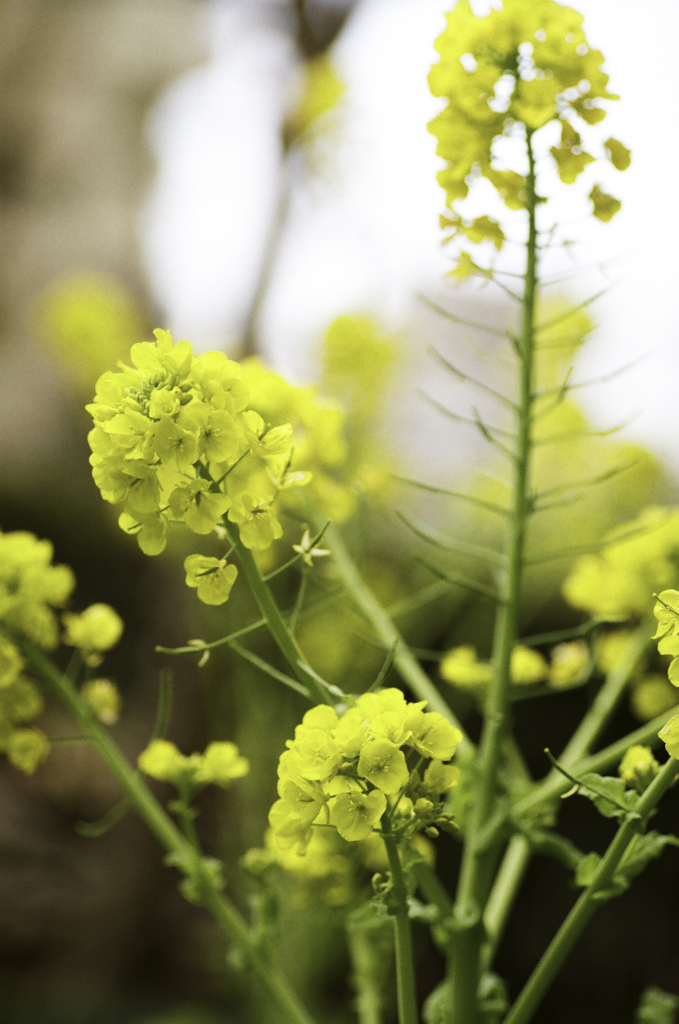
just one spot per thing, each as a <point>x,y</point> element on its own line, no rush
<point>515,71</point>
<point>347,772</point>
<point>201,441</point>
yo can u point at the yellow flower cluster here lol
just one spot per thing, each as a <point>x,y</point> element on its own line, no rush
<point>527,667</point>
<point>620,580</point>
<point>179,438</point>
<point>527,64</point>
<point>168,432</point>
<point>31,589</point>
<point>220,764</point>
<point>346,772</point>
<point>319,441</point>
<point>666,612</point>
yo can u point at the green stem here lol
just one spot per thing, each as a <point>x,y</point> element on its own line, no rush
<point>477,864</point>
<point>162,826</point>
<point>406,664</point>
<point>503,894</point>
<point>569,932</point>
<point>287,644</point>
<point>517,855</point>
<point>406,994</point>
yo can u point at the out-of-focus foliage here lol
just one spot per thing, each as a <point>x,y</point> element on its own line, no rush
<point>619,580</point>
<point>88,322</point>
<point>322,90</point>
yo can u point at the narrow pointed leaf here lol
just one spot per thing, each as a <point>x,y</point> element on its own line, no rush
<point>432,536</point>
<point>461,581</point>
<point>480,502</point>
<point>471,380</point>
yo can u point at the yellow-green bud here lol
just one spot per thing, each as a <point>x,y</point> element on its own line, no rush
<point>27,748</point>
<point>638,767</point>
<point>104,699</point>
<point>98,628</point>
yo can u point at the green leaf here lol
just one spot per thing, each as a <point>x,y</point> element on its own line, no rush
<point>587,869</point>
<point>610,796</point>
<point>645,849</point>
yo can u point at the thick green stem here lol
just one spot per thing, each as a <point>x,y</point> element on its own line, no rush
<point>182,853</point>
<point>569,932</point>
<point>406,993</point>
<point>477,863</point>
<point>406,664</point>
<point>517,855</point>
<point>287,644</point>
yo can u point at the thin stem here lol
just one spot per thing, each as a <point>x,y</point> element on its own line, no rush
<point>200,648</point>
<point>502,896</point>
<point>406,994</point>
<point>181,852</point>
<point>607,699</point>
<point>289,647</point>
<point>407,666</point>
<point>477,864</point>
<point>264,666</point>
<point>554,784</point>
<point>299,603</point>
<point>570,931</point>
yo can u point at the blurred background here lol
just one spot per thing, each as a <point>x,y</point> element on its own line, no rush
<point>244,172</point>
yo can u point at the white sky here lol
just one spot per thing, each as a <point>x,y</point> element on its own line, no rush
<point>363,231</point>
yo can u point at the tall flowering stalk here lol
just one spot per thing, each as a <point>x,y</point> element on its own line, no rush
<point>367,781</point>
<point>509,77</point>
